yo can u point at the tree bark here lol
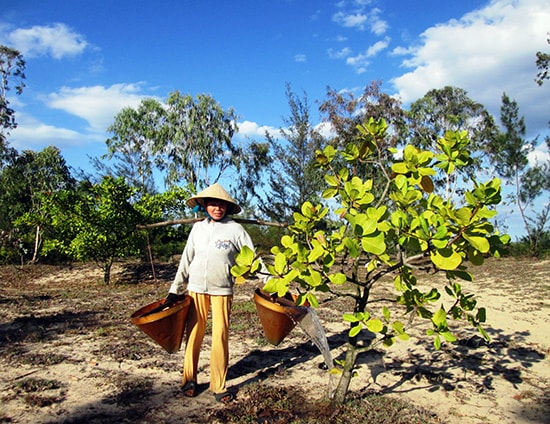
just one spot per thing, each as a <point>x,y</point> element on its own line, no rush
<point>347,374</point>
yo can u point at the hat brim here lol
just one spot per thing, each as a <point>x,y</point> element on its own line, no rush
<point>232,208</point>
<point>215,191</point>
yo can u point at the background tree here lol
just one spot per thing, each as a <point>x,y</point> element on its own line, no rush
<point>343,111</point>
<point>95,222</point>
<point>12,67</point>
<point>23,182</point>
<point>186,139</point>
<point>510,159</point>
<point>450,109</point>
<point>198,146</point>
<point>543,65</point>
<point>133,146</point>
<point>292,174</point>
<point>164,242</point>
<point>379,241</point>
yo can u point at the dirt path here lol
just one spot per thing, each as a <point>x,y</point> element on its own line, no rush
<point>68,353</point>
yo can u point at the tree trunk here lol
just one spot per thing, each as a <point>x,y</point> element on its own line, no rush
<point>107,272</point>
<point>347,374</point>
<point>37,242</point>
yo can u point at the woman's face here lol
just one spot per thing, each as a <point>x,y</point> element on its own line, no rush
<point>216,208</point>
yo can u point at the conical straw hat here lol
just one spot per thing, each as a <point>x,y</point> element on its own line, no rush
<point>215,191</point>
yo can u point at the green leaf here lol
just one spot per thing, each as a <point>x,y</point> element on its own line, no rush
<point>276,285</point>
<point>446,259</point>
<point>478,242</point>
<point>389,341</point>
<point>400,168</point>
<point>437,342</point>
<point>481,314</point>
<point>483,333</point>
<point>374,244</point>
<point>280,263</point>
<point>448,336</point>
<point>354,331</point>
<point>353,247</point>
<point>332,180</point>
<point>386,312</point>
<point>239,270</point>
<point>316,253</point>
<point>375,325</point>
<point>312,300</point>
<point>440,318</point>
<point>338,278</point>
<point>350,318</point>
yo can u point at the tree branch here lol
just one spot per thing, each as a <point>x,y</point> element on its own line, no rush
<point>193,220</point>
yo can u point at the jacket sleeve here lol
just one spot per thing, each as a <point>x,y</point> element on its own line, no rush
<point>182,275</point>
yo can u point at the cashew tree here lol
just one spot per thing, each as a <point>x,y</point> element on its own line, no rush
<point>367,236</point>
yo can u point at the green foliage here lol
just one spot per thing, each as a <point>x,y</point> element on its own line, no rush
<point>188,139</point>
<point>292,174</point>
<point>96,222</point>
<point>388,229</point>
<point>531,183</point>
<point>543,65</point>
<point>12,67</point>
<point>165,241</point>
<point>24,181</point>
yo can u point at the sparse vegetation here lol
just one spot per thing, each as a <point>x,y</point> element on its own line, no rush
<point>71,319</point>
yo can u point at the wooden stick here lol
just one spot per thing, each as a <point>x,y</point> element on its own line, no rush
<point>193,220</point>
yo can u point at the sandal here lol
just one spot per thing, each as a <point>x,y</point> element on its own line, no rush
<point>189,388</point>
<point>224,397</point>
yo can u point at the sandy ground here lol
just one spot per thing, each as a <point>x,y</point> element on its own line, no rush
<point>70,358</point>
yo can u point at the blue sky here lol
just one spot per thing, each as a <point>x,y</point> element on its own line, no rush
<point>87,59</point>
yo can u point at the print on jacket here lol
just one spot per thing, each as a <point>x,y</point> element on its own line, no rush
<point>223,244</point>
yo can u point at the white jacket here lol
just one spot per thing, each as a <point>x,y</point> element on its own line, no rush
<point>208,257</point>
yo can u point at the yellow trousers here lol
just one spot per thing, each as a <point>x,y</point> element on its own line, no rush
<point>196,327</point>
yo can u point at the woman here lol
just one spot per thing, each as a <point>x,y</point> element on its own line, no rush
<point>205,267</point>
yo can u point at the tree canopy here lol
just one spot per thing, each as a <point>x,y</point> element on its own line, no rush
<point>12,75</point>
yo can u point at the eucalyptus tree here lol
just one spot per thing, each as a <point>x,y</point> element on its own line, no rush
<point>133,145</point>
<point>12,69</point>
<point>186,139</point>
<point>344,111</point>
<point>197,146</point>
<point>543,65</point>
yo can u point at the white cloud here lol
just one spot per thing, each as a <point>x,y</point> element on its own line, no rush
<point>351,20</point>
<point>487,52</point>
<point>326,130</point>
<point>339,54</point>
<point>35,135</point>
<point>361,61</point>
<point>358,18</point>
<point>377,26</point>
<point>378,47</point>
<point>97,105</point>
<point>57,40</point>
<point>300,57</point>
<point>252,129</point>
<point>539,156</point>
